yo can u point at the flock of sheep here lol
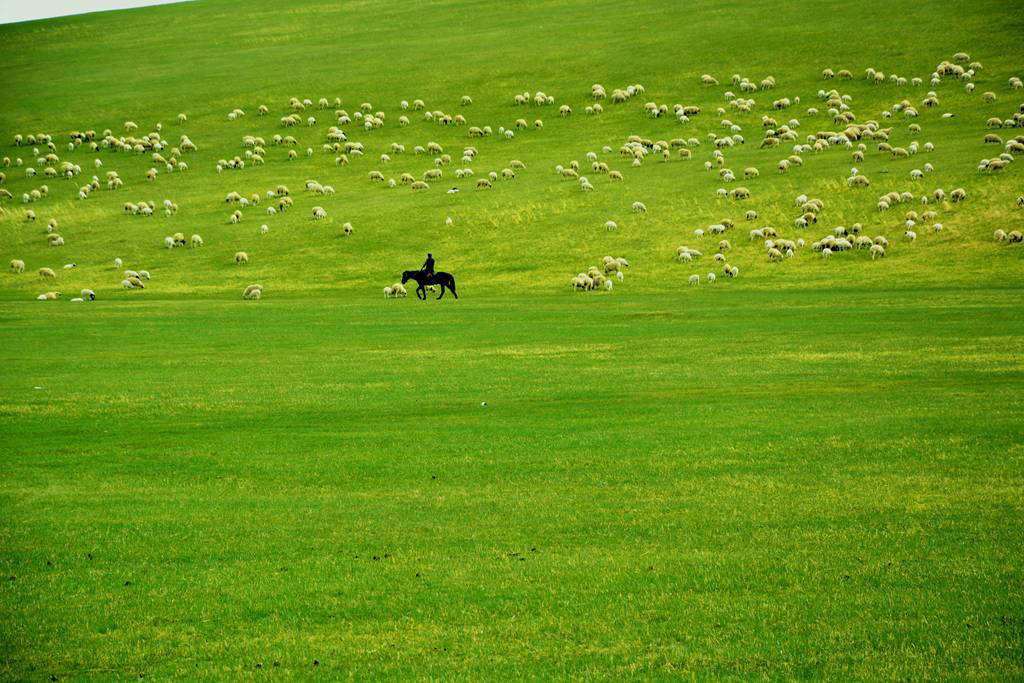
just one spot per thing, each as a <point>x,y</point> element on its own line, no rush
<point>848,133</point>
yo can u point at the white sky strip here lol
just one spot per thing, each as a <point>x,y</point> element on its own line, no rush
<point>12,11</point>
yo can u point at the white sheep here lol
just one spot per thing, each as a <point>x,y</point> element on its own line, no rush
<point>694,280</point>
<point>241,257</point>
<point>910,235</point>
<point>88,295</point>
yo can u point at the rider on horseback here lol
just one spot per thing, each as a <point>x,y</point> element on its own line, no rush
<point>428,266</point>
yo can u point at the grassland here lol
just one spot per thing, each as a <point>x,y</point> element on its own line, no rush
<point>812,471</point>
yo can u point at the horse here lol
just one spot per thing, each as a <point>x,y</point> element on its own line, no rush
<point>422,280</point>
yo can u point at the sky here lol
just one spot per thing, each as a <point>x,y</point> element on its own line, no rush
<point>24,10</point>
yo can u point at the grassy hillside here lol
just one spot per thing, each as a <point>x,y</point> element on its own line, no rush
<point>812,470</point>
<point>536,231</point>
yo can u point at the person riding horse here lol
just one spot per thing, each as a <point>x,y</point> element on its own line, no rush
<point>426,277</point>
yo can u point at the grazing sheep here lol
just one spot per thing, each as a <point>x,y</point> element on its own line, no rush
<point>694,280</point>
<point>47,272</point>
<point>639,207</point>
<point>1015,237</point>
<point>48,296</point>
<point>241,257</point>
<point>910,235</point>
<point>346,229</point>
<point>877,251</point>
<point>319,213</point>
<point>17,266</point>
<point>999,236</point>
<point>958,195</point>
<point>610,225</point>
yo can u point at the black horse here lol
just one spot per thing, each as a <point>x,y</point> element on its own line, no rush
<point>423,280</point>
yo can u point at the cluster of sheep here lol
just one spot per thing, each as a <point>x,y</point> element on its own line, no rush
<point>253,292</point>
<point>600,278</point>
<point>85,295</point>
<point>1012,237</point>
<point>134,279</point>
<point>539,98</point>
<point>178,240</point>
<point>395,291</point>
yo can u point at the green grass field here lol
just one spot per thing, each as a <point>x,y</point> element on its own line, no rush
<point>813,470</point>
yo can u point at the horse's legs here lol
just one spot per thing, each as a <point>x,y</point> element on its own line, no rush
<point>421,293</point>
<point>442,292</point>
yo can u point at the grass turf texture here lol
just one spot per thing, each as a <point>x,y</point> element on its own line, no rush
<point>813,470</point>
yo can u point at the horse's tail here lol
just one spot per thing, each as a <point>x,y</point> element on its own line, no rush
<point>451,285</point>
